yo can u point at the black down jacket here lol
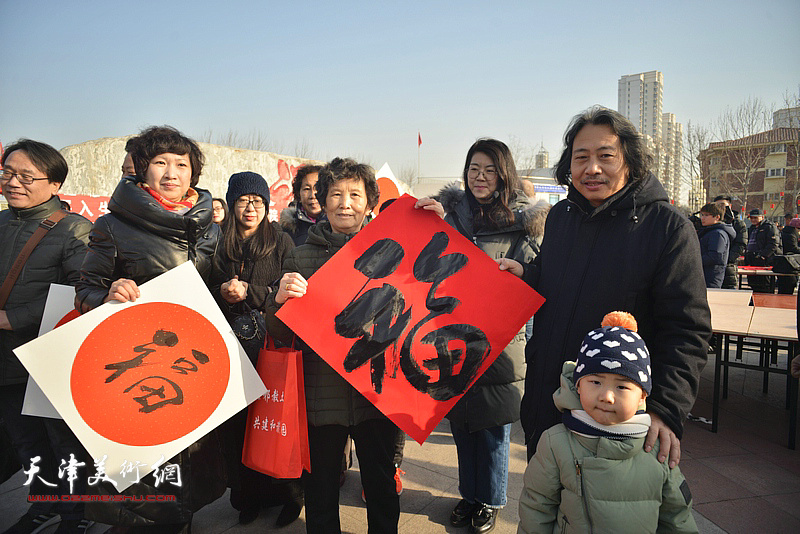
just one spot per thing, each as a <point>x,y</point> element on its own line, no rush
<point>330,399</point>
<point>140,240</point>
<point>789,241</point>
<point>494,399</point>
<point>55,260</point>
<point>634,253</point>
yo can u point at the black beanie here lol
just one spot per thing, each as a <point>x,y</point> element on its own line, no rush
<point>246,183</point>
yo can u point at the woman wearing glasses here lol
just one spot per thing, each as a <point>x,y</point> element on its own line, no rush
<point>158,220</point>
<point>494,213</point>
<point>249,260</point>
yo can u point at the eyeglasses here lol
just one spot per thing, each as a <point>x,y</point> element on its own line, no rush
<point>257,203</point>
<point>24,179</point>
<point>489,174</point>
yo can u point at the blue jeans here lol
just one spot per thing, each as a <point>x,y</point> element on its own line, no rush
<point>483,464</point>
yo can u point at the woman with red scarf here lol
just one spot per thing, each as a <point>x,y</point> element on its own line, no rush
<point>158,220</point>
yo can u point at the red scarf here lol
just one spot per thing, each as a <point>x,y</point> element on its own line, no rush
<point>180,207</point>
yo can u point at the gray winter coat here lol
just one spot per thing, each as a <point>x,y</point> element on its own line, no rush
<point>330,399</point>
<point>55,260</point>
<point>495,397</point>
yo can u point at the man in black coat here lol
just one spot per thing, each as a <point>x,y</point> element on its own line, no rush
<point>789,243</point>
<point>738,244</point>
<point>32,175</point>
<point>763,244</point>
<point>616,243</point>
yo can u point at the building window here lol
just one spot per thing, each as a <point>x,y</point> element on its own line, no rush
<point>554,199</point>
<point>777,148</point>
<point>714,161</point>
<point>775,172</point>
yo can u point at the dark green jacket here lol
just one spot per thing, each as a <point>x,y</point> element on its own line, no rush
<point>330,399</point>
<point>495,397</point>
<point>55,260</point>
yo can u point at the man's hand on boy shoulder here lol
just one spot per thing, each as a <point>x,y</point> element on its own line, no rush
<point>669,444</point>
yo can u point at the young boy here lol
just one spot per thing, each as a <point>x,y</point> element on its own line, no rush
<point>715,238</point>
<point>591,473</point>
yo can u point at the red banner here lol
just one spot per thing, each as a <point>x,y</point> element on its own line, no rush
<point>411,314</point>
<point>86,205</point>
<point>280,192</point>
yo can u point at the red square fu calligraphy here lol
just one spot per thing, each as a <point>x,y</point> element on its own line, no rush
<point>411,314</point>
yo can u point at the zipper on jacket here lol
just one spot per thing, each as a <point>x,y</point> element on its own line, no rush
<point>583,495</point>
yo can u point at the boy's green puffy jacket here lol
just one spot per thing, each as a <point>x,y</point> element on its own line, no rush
<point>579,484</point>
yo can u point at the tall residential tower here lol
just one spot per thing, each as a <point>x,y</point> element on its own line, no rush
<point>640,98</point>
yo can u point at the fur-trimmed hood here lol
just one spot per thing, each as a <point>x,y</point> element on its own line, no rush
<point>290,215</point>
<point>288,219</point>
<point>530,213</point>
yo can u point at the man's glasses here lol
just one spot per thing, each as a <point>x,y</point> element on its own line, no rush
<point>24,179</point>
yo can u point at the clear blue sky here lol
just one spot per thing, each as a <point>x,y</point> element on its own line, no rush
<point>361,78</point>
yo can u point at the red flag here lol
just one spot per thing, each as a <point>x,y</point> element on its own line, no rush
<point>419,139</point>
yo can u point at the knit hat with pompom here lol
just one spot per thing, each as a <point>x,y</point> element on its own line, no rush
<point>615,348</point>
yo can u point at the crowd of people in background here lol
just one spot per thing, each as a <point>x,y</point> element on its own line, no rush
<point>615,243</point>
<point>726,241</point>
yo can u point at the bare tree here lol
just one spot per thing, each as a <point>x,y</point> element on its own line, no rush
<point>407,173</point>
<point>523,153</point>
<point>740,159</point>
<point>303,149</point>
<point>258,140</point>
<point>792,179</point>
<point>697,138</point>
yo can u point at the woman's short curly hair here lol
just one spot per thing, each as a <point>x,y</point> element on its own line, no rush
<point>302,172</point>
<point>163,140</point>
<point>347,169</point>
<point>634,151</point>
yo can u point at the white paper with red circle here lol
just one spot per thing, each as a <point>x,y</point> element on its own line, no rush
<point>172,339</point>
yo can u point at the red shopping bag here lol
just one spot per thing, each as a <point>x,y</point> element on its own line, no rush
<point>276,437</point>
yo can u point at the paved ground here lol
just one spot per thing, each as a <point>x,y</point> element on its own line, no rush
<point>743,479</point>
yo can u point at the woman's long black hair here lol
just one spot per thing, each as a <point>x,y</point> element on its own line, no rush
<point>259,245</point>
<point>496,214</point>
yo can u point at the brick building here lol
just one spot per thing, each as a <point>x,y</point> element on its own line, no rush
<point>757,171</point>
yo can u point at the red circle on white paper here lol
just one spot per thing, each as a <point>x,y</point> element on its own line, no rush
<point>114,413</point>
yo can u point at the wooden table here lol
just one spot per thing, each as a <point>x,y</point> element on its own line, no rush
<point>774,325</point>
<point>771,276</point>
<point>766,300</point>
<point>770,325</point>
<point>728,296</point>
<point>726,320</point>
